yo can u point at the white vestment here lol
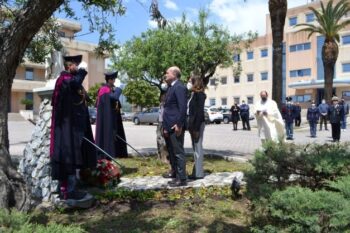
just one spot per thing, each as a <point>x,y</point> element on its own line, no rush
<point>272,124</point>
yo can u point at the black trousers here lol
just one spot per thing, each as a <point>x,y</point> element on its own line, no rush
<point>298,120</point>
<point>175,146</point>
<point>245,122</point>
<point>323,119</point>
<point>336,131</point>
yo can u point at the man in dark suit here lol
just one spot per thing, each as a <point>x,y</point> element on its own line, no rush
<point>335,113</point>
<point>174,116</point>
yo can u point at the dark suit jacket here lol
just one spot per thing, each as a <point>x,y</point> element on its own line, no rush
<point>175,106</point>
<point>196,111</point>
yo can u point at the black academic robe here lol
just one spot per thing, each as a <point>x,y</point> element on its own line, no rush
<point>109,124</point>
<point>69,125</point>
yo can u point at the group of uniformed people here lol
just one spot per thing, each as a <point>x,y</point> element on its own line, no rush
<point>71,135</point>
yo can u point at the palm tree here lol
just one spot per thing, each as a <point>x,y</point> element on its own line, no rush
<point>329,25</point>
<point>278,12</point>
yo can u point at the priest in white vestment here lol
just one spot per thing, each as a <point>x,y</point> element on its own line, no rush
<point>269,119</point>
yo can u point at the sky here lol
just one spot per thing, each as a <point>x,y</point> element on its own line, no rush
<point>235,15</point>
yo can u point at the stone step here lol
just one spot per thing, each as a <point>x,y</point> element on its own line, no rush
<point>158,182</point>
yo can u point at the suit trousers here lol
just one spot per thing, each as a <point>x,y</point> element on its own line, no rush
<point>245,122</point>
<point>323,119</point>
<point>175,145</point>
<point>198,154</point>
<point>336,131</point>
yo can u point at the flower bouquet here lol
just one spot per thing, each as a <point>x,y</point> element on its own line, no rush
<point>106,174</point>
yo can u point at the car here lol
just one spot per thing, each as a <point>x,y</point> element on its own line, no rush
<point>215,116</point>
<point>227,115</point>
<point>149,116</point>
<point>92,115</point>
<point>127,116</point>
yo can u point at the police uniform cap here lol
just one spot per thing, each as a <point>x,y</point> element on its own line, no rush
<point>335,98</point>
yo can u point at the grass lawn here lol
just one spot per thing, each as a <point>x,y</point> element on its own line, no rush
<point>186,210</point>
<point>151,166</point>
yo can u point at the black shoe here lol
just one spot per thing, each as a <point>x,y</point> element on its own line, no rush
<point>177,183</point>
<point>169,176</point>
<point>195,177</point>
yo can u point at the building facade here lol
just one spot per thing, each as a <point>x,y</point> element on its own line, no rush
<point>31,76</point>
<point>303,75</point>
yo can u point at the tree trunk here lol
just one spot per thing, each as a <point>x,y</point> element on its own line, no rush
<point>163,154</point>
<point>13,44</point>
<point>278,11</point>
<point>330,53</point>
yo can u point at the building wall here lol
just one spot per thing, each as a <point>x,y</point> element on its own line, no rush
<point>304,59</point>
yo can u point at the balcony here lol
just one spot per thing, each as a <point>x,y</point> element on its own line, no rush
<point>26,85</point>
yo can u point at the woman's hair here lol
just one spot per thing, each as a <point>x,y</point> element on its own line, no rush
<point>197,83</point>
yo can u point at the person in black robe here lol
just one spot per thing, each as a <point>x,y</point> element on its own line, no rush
<point>110,134</point>
<point>69,152</point>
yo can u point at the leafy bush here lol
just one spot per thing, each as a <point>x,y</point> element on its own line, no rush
<point>279,165</point>
<point>17,222</point>
<point>300,188</point>
<point>298,209</point>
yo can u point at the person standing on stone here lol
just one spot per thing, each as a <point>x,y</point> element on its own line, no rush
<point>196,123</point>
<point>174,117</point>
<point>110,134</point>
<point>297,114</point>
<point>323,108</point>
<point>345,116</point>
<point>335,113</point>
<point>288,114</point>
<point>269,119</point>
<point>244,110</point>
<point>70,123</point>
<point>312,116</point>
<point>235,115</point>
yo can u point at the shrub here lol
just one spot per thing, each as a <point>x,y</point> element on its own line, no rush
<point>279,165</point>
<point>298,209</point>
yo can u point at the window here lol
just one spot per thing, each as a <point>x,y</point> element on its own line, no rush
<point>299,73</point>
<point>346,39</point>
<point>250,100</point>
<point>236,79</point>
<point>236,100</point>
<point>346,67</point>
<point>212,102</point>
<point>212,82</point>
<point>293,21</point>
<point>264,76</point>
<point>29,97</point>
<point>223,101</point>
<point>250,77</point>
<point>299,47</point>
<point>224,80</point>
<point>264,53</point>
<point>346,93</point>
<point>302,98</point>
<point>250,55</point>
<point>236,57</point>
<point>29,74</point>
<point>310,17</point>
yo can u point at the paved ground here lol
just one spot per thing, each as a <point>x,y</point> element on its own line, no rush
<point>218,139</point>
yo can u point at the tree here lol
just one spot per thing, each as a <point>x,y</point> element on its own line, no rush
<point>141,94</point>
<point>278,12</point>
<point>200,47</point>
<point>330,23</point>
<point>20,21</point>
